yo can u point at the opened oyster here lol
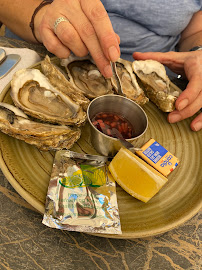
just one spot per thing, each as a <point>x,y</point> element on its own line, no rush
<point>85,76</point>
<point>45,136</point>
<point>32,92</point>
<point>58,80</point>
<point>129,83</point>
<point>156,83</point>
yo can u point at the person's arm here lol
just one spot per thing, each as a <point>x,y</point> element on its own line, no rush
<point>192,35</point>
<point>16,15</point>
<point>87,28</point>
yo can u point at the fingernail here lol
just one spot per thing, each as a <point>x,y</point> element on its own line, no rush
<point>183,104</point>
<point>113,54</point>
<point>108,71</point>
<point>197,126</point>
<point>174,118</point>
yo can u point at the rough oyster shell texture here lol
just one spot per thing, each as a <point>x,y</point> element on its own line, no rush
<point>45,136</point>
<point>85,76</point>
<point>57,109</point>
<point>59,80</point>
<point>156,84</point>
<point>60,99</point>
<point>130,86</point>
<point>35,95</point>
<point>141,81</point>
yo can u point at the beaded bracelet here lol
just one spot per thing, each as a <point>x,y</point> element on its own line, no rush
<point>31,24</point>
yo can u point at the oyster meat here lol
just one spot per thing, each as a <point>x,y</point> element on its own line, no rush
<point>85,76</point>
<point>157,85</point>
<point>45,136</point>
<point>58,79</point>
<point>33,93</point>
<point>129,83</point>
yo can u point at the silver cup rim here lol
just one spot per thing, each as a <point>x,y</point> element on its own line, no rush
<point>109,137</point>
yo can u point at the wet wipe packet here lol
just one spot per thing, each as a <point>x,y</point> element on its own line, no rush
<point>81,195</point>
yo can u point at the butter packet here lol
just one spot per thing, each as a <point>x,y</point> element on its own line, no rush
<point>81,195</point>
<point>158,157</point>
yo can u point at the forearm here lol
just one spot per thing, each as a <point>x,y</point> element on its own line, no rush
<point>192,34</point>
<point>190,42</point>
<point>16,15</point>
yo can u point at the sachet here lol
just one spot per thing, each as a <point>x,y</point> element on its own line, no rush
<point>81,195</point>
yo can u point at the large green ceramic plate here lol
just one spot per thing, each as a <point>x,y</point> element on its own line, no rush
<point>28,171</point>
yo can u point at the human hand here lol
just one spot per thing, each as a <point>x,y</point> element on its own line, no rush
<point>87,29</point>
<point>187,64</point>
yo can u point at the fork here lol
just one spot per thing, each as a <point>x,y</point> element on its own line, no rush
<point>116,134</point>
<point>118,81</point>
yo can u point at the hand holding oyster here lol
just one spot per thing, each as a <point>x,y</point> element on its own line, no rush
<point>50,106</point>
<point>156,84</point>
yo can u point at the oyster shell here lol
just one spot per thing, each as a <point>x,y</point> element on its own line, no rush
<point>85,76</point>
<point>156,83</point>
<point>58,79</point>
<point>32,92</point>
<point>129,83</point>
<point>45,136</point>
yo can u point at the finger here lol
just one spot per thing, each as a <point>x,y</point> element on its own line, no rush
<point>86,31</point>
<point>97,15</point>
<point>88,35</point>
<point>95,12</point>
<point>70,38</point>
<point>53,44</point>
<point>158,56</point>
<point>190,110</point>
<point>173,60</point>
<point>196,124</point>
<point>165,57</point>
<point>118,38</point>
<point>191,92</point>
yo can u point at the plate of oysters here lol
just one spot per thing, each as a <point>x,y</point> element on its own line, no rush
<point>43,109</point>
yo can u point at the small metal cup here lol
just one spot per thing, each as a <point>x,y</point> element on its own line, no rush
<point>131,111</point>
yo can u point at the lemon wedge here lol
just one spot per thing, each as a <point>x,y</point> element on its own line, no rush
<point>135,176</point>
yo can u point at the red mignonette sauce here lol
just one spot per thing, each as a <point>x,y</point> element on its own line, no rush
<point>106,122</point>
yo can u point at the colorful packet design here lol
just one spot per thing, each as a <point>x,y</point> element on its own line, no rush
<point>81,196</point>
<point>158,157</point>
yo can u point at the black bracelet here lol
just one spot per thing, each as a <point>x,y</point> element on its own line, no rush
<point>196,48</point>
<point>31,24</point>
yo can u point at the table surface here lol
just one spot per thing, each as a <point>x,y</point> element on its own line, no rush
<point>27,244</point>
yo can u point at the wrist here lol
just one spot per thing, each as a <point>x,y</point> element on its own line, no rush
<point>37,18</point>
<point>37,22</point>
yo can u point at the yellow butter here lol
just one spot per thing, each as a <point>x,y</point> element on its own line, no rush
<point>135,176</point>
<point>158,157</point>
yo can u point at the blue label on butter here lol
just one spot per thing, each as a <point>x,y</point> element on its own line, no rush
<point>155,152</point>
